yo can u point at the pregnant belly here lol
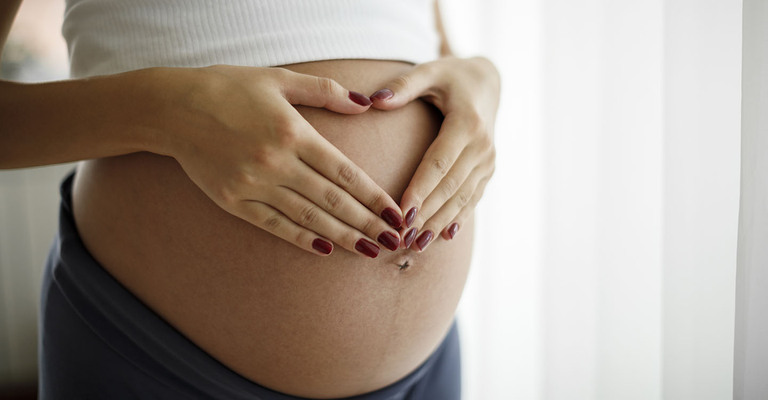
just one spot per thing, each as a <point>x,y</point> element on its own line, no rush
<point>297,323</point>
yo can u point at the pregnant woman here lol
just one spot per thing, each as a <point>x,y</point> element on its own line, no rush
<point>246,224</point>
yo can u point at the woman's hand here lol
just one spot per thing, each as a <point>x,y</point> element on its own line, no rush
<point>455,169</point>
<point>236,134</point>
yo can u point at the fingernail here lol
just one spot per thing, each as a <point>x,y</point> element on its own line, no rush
<point>410,216</point>
<point>423,241</point>
<point>359,98</point>
<point>453,229</point>
<point>389,240</point>
<point>409,236</point>
<point>392,217</point>
<point>382,94</point>
<point>367,247</point>
<point>322,246</point>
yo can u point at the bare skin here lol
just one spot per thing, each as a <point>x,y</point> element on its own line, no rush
<point>207,191</point>
<point>309,326</point>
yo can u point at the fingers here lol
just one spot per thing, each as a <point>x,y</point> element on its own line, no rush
<point>276,223</point>
<point>456,191</point>
<point>449,219</point>
<point>309,215</point>
<point>331,163</point>
<point>437,170</point>
<point>421,81</point>
<point>341,206</point>
<point>315,91</point>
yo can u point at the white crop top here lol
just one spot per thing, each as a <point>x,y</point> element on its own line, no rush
<point>110,36</point>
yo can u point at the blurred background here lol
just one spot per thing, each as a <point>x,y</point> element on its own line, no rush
<point>605,255</point>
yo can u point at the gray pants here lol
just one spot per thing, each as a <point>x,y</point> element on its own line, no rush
<point>98,341</point>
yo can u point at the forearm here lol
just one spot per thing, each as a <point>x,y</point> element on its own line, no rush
<point>56,122</point>
<point>8,10</point>
<point>445,47</point>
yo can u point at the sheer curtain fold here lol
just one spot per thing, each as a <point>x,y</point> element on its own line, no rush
<point>618,136</point>
<point>751,352</point>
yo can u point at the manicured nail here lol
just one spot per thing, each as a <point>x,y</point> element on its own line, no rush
<point>389,240</point>
<point>392,217</point>
<point>382,94</point>
<point>410,216</point>
<point>322,246</point>
<point>423,241</point>
<point>367,247</point>
<point>409,236</point>
<point>452,230</point>
<point>359,98</point>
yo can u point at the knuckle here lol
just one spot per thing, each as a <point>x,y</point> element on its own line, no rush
<point>370,225</point>
<point>263,158</point>
<point>486,142</point>
<point>378,200</point>
<point>449,186</point>
<point>288,137</point>
<point>347,175</point>
<point>326,86</point>
<point>474,123</point>
<point>428,68</point>
<point>414,197</point>
<point>285,124</point>
<point>302,237</point>
<point>400,82</point>
<point>440,165</point>
<point>280,74</point>
<point>463,197</point>
<point>492,164</point>
<point>243,180</point>
<point>332,199</point>
<point>272,222</point>
<point>227,196</point>
<point>348,238</point>
<point>308,216</point>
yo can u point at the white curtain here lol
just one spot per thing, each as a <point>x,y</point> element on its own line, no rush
<point>605,257</point>
<point>751,352</point>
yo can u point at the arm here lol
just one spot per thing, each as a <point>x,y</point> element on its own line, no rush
<point>73,120</point>
<point>8,10</point>
<point>445,47</point>
<point>455,169</point>
<point>233,130</point>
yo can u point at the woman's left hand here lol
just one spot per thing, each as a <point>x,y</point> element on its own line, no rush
<point>456,167</point>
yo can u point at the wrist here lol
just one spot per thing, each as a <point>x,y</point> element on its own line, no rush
<point>141,110</point>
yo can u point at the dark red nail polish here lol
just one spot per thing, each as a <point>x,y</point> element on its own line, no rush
<point>453,229</point>
<point>359,98</point>
<point>392,217</point>
<point>322,246</point>
<point>410,216</point>
<point>423,241</point>
<point>389,240</point>
<point>367,247</point>
<point>382,94</point>
<point>409,236</point>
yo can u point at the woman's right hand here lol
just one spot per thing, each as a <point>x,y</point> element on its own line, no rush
<point>236,134</point>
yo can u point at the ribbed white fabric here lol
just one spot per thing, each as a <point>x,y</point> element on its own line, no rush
<point>110,36</point>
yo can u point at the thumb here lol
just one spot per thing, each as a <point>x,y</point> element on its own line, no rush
<point>321,92</point>
<point>418,82</point>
